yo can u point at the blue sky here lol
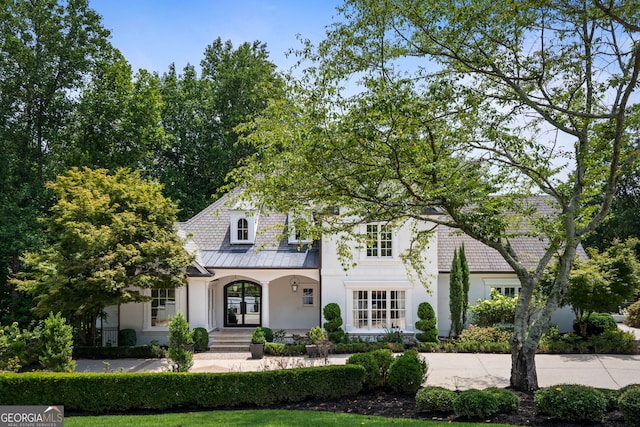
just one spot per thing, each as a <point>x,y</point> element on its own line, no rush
<point>151,34</point>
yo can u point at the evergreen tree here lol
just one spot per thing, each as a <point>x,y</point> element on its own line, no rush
<point>464,265</point>
<point>427,324</point>
<point>57,344</point>
<point>179,338</point>
<point>455,295</point>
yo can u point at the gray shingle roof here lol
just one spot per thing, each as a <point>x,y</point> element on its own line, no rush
<point>209,232</point>
<point>483,259</point>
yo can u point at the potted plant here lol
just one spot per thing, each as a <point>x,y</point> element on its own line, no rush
<point>318,346</point>
<point>257,343</point>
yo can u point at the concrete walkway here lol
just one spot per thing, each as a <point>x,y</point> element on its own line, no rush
<point>459,371</point>
<point>452,370</point>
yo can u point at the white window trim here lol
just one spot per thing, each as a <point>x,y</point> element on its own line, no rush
<point>252,222</point>
<point>491,283</point>
<point>402,285</point>
<point>181,298</point>
<point>378,258</point>
<point>292,240</point>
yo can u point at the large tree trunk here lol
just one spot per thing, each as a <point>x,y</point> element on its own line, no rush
<point>523,367</point>
<point>86,324</point>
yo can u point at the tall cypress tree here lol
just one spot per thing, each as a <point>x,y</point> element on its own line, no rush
<point>464,267</point>
<point>455,295</point>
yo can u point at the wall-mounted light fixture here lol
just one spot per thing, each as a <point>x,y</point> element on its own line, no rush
<point>294,284</point>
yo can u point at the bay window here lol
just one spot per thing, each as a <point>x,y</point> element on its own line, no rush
<point>379,309</point>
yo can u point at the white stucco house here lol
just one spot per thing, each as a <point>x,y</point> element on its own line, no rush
<point>245,275</point>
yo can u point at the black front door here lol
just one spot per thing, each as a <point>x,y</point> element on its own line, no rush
<point>243,302</point>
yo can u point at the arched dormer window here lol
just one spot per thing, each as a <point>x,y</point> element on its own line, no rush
<point>243,229</point>
<point>243,226</point>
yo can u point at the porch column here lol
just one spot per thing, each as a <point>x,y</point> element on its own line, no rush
<point>265,303</point>
<point>213,324</point>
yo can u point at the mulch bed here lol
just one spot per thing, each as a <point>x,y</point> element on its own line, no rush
<point>388,404</point>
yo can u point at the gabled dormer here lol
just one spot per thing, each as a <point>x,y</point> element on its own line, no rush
<point>296,236</point>
<point>243,224</point>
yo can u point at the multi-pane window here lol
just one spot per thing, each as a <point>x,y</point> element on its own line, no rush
<point>379,240</point>
<point>243,229</point>
<point>163,306</point>
<point>379,309</point>
<point>508,291</point>
<point>307,296</point>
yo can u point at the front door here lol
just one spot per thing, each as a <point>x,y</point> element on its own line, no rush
<point>243,302</point>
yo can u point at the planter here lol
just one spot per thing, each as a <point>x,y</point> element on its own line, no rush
<point>319,350</point>
<point>619,318</point>
<point>257,350</point>
<point>313,350</point>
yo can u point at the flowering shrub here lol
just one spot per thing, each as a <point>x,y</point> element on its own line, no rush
<point>498,309</point>
<point>633,315</point>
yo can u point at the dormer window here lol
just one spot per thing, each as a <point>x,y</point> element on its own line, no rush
<point>296,236</point>
<point>243,226</point>
<point>243,229</point>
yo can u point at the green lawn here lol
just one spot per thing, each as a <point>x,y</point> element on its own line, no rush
<point>250,418</point>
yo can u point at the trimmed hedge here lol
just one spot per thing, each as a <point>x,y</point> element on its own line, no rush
<point>136,352</point>
<point>116,392</point>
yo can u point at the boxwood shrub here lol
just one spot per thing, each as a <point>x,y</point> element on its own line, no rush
<point>124,352</point>
<point>629,404</point>
<point>596,324</point>
<point>435,399</point>
<point>371,368</point>
<point>280,349</point>
<point>116,392</point>
<point>476,404</point>
<point>200,339</point>
<point>376,365</point>
<point>508,401</point>
<point>127,338</point>
<point>573,403</point>
<point>612,397</point>
<point>407,372</point>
